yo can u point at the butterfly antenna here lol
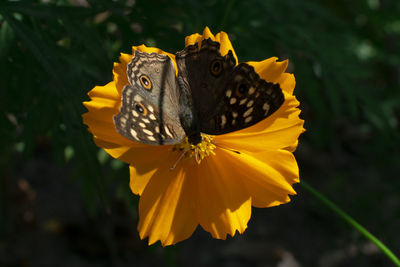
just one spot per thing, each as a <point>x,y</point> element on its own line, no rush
<point>179,159</point>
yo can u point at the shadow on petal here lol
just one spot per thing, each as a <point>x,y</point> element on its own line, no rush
<point>167,209</point>
<point>268,176</point>
<point>223,206</point>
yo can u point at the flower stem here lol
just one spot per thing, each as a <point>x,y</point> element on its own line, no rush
<point>352,222</point>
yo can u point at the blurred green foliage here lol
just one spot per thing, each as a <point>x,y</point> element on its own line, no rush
<point>344,54</point>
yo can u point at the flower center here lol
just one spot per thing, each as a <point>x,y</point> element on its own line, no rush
<point>198,152</point>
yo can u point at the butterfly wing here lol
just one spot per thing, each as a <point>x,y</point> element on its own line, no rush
<point>225,98</point>
<point>149,111</point>
<point>247,100</point>
<point>205,72</point>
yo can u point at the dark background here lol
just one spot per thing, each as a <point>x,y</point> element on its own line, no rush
<point>65,202</point>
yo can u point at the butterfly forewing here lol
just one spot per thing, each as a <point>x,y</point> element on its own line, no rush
<point>206,73</point>
<point>150,111</point>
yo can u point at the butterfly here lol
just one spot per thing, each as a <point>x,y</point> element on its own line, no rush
<point>210,94</point>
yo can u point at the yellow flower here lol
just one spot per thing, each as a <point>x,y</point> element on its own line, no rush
<point>213,185</point>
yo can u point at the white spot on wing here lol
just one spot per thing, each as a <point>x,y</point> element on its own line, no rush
<point>252,90</point>
<point>123,120</point>
<point>232,101</point>
<point>147,132</point>
<point>152,117</point>
<point>145,120</point>
<point>228,93</point>
<point>141,124</point>
<point>137,98</point>
<point>133,133</point>
<point>134,113</point>
<point>248,112</point>
<point>248,119</point>
<point>167,131</point>
<point>223,121</point>
<point>251,102</point>
<point>243,101</point>
<point>151,138</point>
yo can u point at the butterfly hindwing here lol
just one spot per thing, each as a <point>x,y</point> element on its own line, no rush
<point>149,111</point>
<point>225,97</point>
<point>247,100</point>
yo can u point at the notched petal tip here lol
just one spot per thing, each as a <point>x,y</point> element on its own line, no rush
<point>270,69</point>
<point>146,49</point>
<point>104,104</point>
<point>198,38</point>
<point>208,34</point>
<point>223,205</point>
<point>167,207</point>
<point>106,93</point>
<point>267,176</point>
<point>119,72</point>
<point>221,37</point>
<point>226,45</point>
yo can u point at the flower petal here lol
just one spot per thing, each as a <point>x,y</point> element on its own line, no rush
<point>138,182</point>
<point>198,38</point>
<point>192,39</point>
<point>267,176</point>
<point>221,37</point>
<point>167,207</point>
<point>226,45</point>
<point>138,154</point>
<point>274,72</point>
<point>280,130</point>
<point>145,162</point>
<point>104,104</point>
<point>223,204</point>
<point>207,34</point>
<point>269,69</point>
<point>287,82</point>
<point>119,72</point>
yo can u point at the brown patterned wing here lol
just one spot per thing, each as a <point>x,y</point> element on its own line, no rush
<point>247,100</point>
<point>149,111</point>
<point>205,73</point>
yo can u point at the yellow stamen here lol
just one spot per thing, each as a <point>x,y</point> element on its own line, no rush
<point>199,151</point>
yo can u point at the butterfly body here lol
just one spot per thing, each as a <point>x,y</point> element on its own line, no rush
<point>210,94</point>
<point>188,114</point>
